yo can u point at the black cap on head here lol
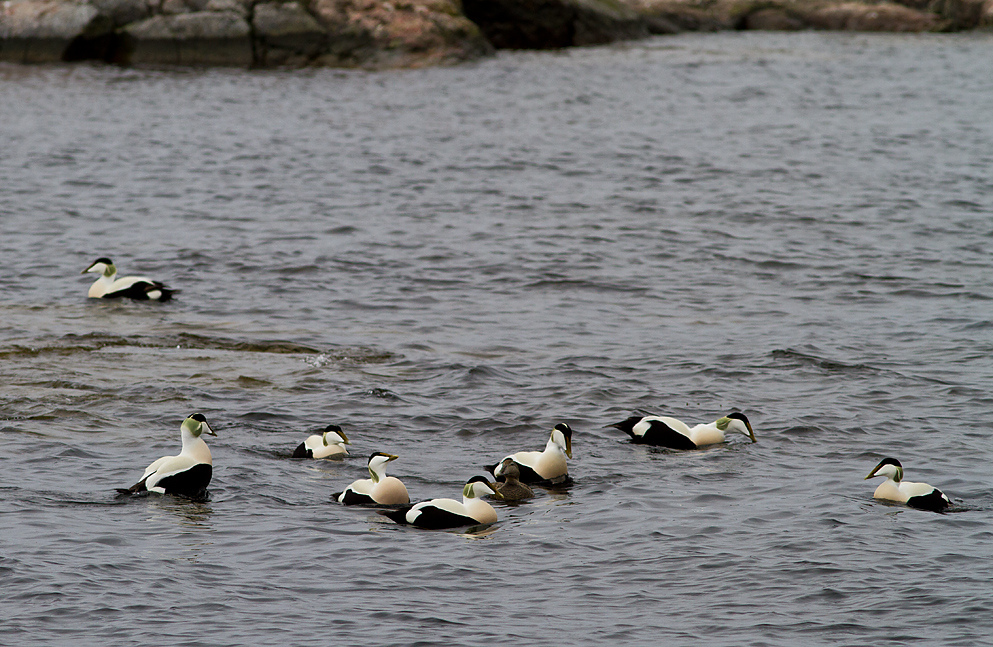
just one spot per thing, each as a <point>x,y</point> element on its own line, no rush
<point>198,417</point>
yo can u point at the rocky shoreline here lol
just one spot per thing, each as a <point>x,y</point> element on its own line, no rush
<point>381,34</point>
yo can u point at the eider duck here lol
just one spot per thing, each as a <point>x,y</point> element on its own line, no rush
<point>187,474</point>
<point>330,444</point>
<point>380,489</point>
<point>512,489</point>
<point>449,513</point>
<point>108,286</point>
<point>894,488</point>
<point>548,465</point>
<point>675,434</point>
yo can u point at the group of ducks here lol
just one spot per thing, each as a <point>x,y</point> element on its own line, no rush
<point>189,473</point>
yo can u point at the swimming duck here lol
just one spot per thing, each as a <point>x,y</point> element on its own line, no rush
<point>449,513</point>
<point>381,489</point>
<point>512,489</point>
<point>894,488</point>
<point>330,444</point>
<point>675,434</point>
<point>187,474</point>
<point>108,286</point>
<point>548,465</point>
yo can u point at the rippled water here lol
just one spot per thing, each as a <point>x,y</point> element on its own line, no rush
<point>448,262</point>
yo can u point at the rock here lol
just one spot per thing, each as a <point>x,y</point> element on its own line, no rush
<point>240,7</point>
<point>852,16</point>
<point>122,12</point>
<point>961,14</point>
<point>686,15</point>
<point>50,30</point>
<point>174,7</point>
<point>198,38</point>
<point>286,34</point>
<point>397,34</point>
<point>549,24</point>
<point>773,19</point>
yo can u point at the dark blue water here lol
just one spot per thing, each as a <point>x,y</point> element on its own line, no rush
<point>447,263</point>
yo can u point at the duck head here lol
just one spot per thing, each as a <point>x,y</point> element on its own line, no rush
<point>736,422</point>
<point>562,436</point>
<point>102,265</point>
<point>197,424</point>
<point>377,464</point>
<point>479,486</point>
<point>333,435</point>
<point>888,467</point>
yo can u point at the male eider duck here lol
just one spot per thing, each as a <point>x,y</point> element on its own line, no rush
<point>187,474</point>
<point>511,489</point>
<point>675,434</point>
<point>380,489</point>
<point>449,513</point>
<point>108,286</point>
<point>330,444</point>
<point>894,488</point>
<point>548,465</point>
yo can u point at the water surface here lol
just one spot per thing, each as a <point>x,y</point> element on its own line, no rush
<point>448,262</point>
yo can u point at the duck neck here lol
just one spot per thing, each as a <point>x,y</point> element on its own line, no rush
<point>708,434</point>
<point>377,473</point>
<point>102,285</point>
<point>191,443</point>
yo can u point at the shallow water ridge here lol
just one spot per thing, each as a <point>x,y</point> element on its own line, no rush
<point>447,262</point>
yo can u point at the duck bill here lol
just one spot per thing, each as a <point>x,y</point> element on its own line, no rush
<point>88,268</point>
<point>751,434</point>
<point>208,430</point>
<point>392,457</point>
<point>496,492</point>
<point>344,438</point>
<point>568,447</point>
<point>871,474</point>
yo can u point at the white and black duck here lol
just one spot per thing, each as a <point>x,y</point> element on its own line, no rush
<point>187,474</point>
<point>663,431</point>
<point>330,444</point>
<point>894,488</point>
<point>544,466</point>
<point>379,489</point>
<point>437,514</point>
<point>139,288</point>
